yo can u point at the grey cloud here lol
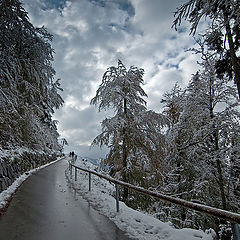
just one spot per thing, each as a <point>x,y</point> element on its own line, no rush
<point>122,4</point>
<point>90,36</point>
<point>87,120</point>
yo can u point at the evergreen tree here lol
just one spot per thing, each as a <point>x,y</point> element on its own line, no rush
<point>201,143</point>
<point>121,91</point>
<point>224,24</point>
<point>28,92</point>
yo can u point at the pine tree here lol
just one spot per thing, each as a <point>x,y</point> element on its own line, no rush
<point>121,91</point>
<point>28,91</point>
<point>224,23</point>
<point>201,145</point>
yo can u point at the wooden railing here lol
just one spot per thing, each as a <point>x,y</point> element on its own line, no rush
<point>229,216</point>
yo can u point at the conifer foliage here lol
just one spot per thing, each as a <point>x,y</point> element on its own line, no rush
<point>224,16</point>
<point>121,91</point>
<point>191,149</point>
<point>201,141</point>
<point>28,91</point>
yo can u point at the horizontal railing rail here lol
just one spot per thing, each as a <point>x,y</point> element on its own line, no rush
<point>227,215</point>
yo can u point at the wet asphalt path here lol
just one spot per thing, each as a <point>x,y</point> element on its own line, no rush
<point>46,208</point>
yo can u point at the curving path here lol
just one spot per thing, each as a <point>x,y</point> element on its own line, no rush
<point>46,208</point>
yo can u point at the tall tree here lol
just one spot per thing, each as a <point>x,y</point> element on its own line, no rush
<point>201,145</point>
<point>225,24</point>
<point>28,91</point>
<point>121,91</point>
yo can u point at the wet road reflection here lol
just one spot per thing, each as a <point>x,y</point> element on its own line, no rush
<point>46,208</point>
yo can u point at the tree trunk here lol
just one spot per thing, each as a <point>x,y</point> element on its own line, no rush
<point>182,211</point>
<point>124,157</point>
<point>216,149</point>
<point>234,59</point>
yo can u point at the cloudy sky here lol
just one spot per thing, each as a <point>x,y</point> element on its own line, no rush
<point>91,35</point>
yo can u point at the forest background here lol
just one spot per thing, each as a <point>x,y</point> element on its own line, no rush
<point>190,149</point>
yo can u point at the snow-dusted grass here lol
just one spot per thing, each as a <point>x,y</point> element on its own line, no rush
<point>7,194</point>
<point>137,224</point>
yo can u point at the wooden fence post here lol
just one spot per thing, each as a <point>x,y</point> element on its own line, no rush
<point>89,179</point>
<point>75,174</point>
<point>117,197</point>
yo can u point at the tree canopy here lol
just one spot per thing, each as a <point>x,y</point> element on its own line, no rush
<point>28,93</point>
<point>223,18</point>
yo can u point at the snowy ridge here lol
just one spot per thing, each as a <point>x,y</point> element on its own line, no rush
<point>137,224</point>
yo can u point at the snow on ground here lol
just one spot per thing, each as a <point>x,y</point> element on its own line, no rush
<point>10,154</point>
<point>6,194</point>
<point>137,224</point>
<point>17,151</point>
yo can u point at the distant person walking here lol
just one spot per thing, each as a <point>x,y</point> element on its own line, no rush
<point>73,156</point>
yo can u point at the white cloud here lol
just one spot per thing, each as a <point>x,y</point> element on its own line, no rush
<point>90,37</point>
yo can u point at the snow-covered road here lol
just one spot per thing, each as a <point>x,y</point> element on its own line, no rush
<point>45,207</point>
